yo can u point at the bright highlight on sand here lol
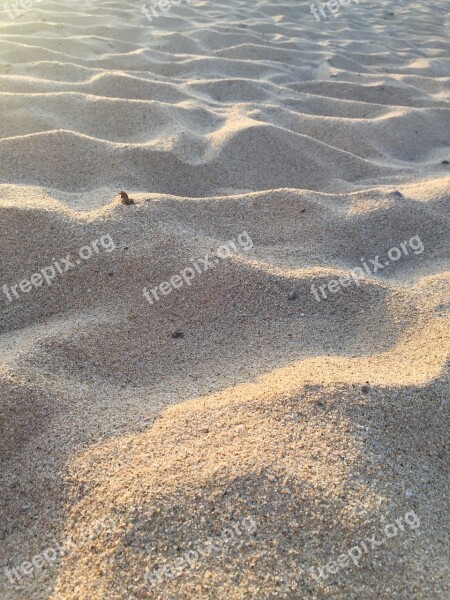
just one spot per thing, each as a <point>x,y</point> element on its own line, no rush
<point>224,300</point>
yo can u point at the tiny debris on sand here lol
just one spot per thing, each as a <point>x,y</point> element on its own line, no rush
<point>125,199</point>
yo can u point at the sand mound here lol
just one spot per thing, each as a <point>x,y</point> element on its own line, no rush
<point>292,389</point>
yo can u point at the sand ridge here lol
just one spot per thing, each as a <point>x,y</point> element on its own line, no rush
<point>325,421</point>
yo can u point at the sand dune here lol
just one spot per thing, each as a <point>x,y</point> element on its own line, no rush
<point>277,385</point>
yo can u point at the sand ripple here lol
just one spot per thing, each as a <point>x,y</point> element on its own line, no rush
<point>328,143</point>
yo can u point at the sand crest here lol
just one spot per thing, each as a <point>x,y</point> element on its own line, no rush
<point>236,385</point>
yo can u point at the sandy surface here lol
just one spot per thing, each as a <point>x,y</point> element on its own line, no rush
<point>239,401</point>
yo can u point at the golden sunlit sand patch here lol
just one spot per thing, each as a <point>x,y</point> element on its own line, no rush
<point>240,395</point>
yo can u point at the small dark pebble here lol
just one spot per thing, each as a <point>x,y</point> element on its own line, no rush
<point>365,389</point>
<point>293,295</point>
<point>125,247</point>
<point>303,210</point>
<point>110,273</point>
<point>398,194</point>
<point>177,334</point>
<point>445,162</point>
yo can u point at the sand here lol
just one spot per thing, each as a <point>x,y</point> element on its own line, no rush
<point>240,400</point>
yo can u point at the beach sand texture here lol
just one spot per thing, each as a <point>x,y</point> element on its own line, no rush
<point>257,388</point>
